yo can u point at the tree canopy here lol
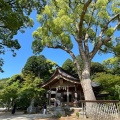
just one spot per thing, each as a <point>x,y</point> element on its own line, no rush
<point>69,66</point>
<point>3,82</point>
<point>14,17</point>
<point>62,19</point>
<point>39,66</point>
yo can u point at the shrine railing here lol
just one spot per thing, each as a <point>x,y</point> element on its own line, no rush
<point>100,109</point>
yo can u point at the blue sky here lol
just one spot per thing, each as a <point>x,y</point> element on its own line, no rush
<point>13,65</point>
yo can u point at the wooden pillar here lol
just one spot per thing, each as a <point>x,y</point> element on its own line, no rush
<point>75,88</point>
<point>80,95</point>
<point>62,99</point>
<point>67,96</point>
<point>50,98</point>
<point>47,97</point>
<point>55,102</point>
<point>56,94</point>
<point>75,94</point>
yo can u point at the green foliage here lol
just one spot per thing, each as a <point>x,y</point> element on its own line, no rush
<point>3,82</point>
<point>29,90</point>
<point>69,66</point>
<point>116,49</point>
<point>96,67</point>
<point>58,115</point>
<point>31,66</point>
<point>60,18</point>
<point>39,66</point>
<point>109,31</point>
<point>14,17</point>
<point>22,90</point>
<point>77,114</point>
<point>9,94</point>
<point>112,65</point>
<point>58,22</point>
<point>117,91</point>
<point>108,83</point>
<point>16,78</point>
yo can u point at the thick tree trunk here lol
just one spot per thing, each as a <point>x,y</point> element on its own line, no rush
<point>86,82</point>
<point>87,89</point>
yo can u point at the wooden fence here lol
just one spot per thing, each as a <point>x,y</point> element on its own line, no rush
<point>100,109</point>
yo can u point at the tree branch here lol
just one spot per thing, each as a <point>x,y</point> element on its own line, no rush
<point>86,44</point>
<point>116,26</point>
<point>101,42</point>
<point>91,16</point>
<point>98,46</point>
<point>113,18</point>
<point>63,48</point>
<point>106,26</point>
<point>79,28</point>
<point>70,53</point>
<point>82,17</point>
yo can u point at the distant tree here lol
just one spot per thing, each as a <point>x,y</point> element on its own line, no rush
<point>117,91</point>
<point>69,66</point>
<point>15,78</point>
<point>3,82</point>
<point>87,22</point>
<point>112,65</point>
<point>14,17</point>
<point>18,89</point>
<point>96,67</point>
<point>9,94</point>
<point>108,83</point>
<point>39,66</point>
<point>31,66</point>
<point>30,90</point>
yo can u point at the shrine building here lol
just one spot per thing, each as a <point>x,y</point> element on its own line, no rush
<point>65,87</point>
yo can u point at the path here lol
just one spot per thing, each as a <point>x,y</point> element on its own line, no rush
<point>21,116</point>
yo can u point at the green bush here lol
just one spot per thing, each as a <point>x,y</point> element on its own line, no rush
<point>77,114</point>
<point>58,115</point>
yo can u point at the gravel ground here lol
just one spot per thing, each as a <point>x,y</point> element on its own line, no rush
<point>21,116</point>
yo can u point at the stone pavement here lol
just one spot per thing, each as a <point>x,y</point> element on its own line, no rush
<point>21,116</point>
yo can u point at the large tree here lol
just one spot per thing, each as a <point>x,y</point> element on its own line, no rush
<point>68,65</point>
<point>89,22</point>
<point>39,66</point>
<point>14,17</point>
